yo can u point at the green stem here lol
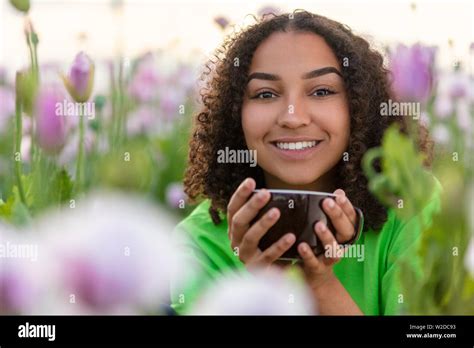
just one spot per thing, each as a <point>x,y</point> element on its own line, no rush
<point>18,135</point>
<point>80,157</point>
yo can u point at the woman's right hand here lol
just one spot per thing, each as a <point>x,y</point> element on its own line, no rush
<point>245,238</point>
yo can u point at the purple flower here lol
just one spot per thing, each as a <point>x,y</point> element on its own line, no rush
<point>170,100</point>
<point>80,79</point>
<point>459,85</point>
<point>185,77</point>
<point>146,80</point>
<point>50,125</point>
<point>221,21</point>
<point>114,253</point>
<point>141,121</point>
<point>443,107</point>
<point>175,195</point>
<point>268,10</point>
<point>15,288</point>
<point>412,72</point>
<point>20,279</point>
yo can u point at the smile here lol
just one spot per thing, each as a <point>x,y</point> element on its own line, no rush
<point>296,150</point>
<point>300,145</point>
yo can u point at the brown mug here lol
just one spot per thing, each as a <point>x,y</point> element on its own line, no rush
<point>299,212</point>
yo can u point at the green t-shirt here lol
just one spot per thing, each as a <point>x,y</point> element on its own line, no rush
<point>371,280</point>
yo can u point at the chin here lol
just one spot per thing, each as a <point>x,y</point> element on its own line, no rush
<point>298,179</point>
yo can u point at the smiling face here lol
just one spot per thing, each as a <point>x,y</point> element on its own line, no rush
<point>295,113</point>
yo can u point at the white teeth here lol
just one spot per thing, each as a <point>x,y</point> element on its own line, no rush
<point>297,145</point>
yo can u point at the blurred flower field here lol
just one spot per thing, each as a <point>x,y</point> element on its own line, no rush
<point>91,184</point>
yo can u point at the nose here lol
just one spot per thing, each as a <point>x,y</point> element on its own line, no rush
<point>295,114</point>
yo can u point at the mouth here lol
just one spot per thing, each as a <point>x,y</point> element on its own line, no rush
<point>296,150</point>
<point>296,145</point>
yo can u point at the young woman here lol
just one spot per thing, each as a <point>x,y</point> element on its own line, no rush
<point>305,93</point>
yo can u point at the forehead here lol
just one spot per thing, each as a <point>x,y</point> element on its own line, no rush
<point>299,51</point>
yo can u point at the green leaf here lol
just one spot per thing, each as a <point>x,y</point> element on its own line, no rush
<point>62,187</point>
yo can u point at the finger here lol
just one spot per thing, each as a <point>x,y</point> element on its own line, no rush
<point>252,237</point>
<point>332,251</point>
<point>277,249</point>
<point>240,196</point>
<point>238,199</point>
<point>242,218</point>
<point>310,260</point>
<point>346,205</point>
<point>343,226</point>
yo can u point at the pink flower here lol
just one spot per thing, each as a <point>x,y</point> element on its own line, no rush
<point>80,79</point>
<point>268,10</point>
<point>20,275</point>
<point>146,80</point>
<point>412,72</point>
<point>170,101</point>
<point>142,120</point>
<point>114,253</point>
<point>50,125</point>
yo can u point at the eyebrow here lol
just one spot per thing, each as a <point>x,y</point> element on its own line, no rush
<point>309,75</point>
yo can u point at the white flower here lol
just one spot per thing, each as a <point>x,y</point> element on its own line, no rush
<point>114,254</point>
<point>261,293</point>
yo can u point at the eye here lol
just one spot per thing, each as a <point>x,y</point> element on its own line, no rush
<point>264,95</point>
<point>322,92</point>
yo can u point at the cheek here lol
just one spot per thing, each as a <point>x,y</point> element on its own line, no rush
<point>339,126</point>
<point>256,123</point>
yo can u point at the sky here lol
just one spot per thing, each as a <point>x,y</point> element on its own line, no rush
<point>185,28</point>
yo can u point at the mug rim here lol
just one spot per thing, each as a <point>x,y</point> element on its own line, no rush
<point>298,192</point>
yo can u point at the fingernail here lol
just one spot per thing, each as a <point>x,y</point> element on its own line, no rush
<point>272,213</point>
<point>320,227</point>
<point>343,199</point>
<point>262,194</point>
<point>331,203</point>
<point>289,238</point>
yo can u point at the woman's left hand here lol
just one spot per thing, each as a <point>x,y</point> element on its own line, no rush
<point>319,270</point>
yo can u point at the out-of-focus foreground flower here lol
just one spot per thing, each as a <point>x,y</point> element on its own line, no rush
<point>107,254</point>
<point>268,292</point>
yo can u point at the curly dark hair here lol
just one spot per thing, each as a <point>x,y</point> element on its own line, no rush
<point>218,124</point>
